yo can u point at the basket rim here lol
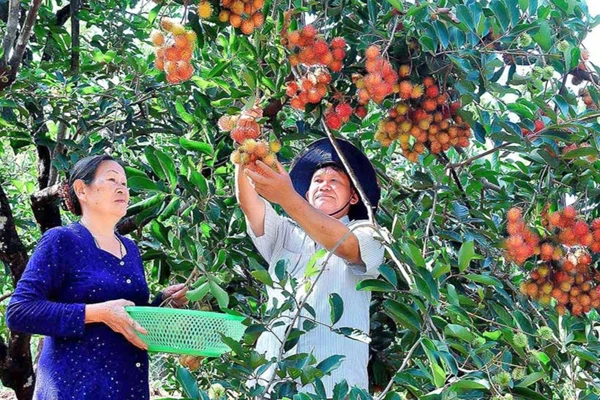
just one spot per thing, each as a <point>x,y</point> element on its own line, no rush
<point>163,310</point>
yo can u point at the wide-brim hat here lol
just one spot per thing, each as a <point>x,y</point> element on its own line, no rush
<point>321,153</point>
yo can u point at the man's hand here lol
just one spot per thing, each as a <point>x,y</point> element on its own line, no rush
<point>275,187</point>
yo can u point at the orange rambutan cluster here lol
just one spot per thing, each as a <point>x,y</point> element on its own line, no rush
<point>424,119</point>
<point>565,273</point>
<point>309,89</point>
<point>310,49</point>
<point>522,242</point>
<point>570,282</point>
<point>338,116</point>
<point>244,126</point>
<point>173,50</point>
<point>244,14</point>
<point>252,150</point>
<point>380,80</point>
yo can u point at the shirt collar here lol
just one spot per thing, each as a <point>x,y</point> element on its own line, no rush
<point>345,219</point>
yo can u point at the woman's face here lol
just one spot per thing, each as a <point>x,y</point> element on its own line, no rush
<point>107,194</point>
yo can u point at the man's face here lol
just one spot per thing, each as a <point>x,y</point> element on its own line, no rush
<point>330,190</point>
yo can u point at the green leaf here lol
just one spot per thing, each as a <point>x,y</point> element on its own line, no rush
<point>475,384</point>
<point>414,254</point>
<point>428,44</point>
<point>438,373</point>
<point>337,307</point>
<point>465,255</point>
<point>217,69</point>
<point>140,183</point>
<point>581,152</point>
<point>168,166</point>
<point>544,36</point>
<point>198,293</point>
<point>459,331</point>
<point>193,145</point>
<point>531,379</point>
<point>187,382</point>
<point>262,275</point>
<point>311,268</point>
<point>501,13</point>
<point>403,314</point>
<point>484,279</point>
<point>397,5</point>
<point>330,363</point>
<point>464,15</point>
<point>187,117</point>
<point>220,294</point>
<point>200,182</point>
<point>375,285</point>
<point>154,13</point>
<point>154,163</point>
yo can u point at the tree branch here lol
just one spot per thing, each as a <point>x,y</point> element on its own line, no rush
<point>45,208</point>
<point>9,70</point>
<point>74,10</point>
<point>12,27</point>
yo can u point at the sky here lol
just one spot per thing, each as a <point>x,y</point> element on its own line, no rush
<point>594,36</point>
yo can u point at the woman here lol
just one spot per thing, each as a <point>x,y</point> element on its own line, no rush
<point>74,290</point>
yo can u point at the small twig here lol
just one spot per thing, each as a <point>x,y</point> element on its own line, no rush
<point>404,364</point>
<point>427,229</point>
<point>391,35</point>
<point>5,296</point>
<point>477,157</point>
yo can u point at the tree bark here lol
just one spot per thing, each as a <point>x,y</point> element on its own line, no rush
<point>16,367</point>
<point>9,68</point>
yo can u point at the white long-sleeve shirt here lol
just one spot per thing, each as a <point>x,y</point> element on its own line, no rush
<point>283,239</point>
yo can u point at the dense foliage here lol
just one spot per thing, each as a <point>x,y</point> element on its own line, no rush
<point>448,319</point>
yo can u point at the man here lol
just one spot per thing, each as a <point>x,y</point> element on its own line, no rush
<point>323,204</point>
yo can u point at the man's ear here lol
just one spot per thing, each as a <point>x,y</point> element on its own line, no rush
<point>354,199</point>
<point>306,196</point>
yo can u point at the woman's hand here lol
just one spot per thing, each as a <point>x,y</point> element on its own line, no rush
<point>113,314</point>
<point>176,295</point>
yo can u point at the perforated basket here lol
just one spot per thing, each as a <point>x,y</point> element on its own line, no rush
<point>186,331</point>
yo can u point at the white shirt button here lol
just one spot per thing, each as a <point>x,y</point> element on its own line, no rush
<point>128,281</point>
<point>138,365</point>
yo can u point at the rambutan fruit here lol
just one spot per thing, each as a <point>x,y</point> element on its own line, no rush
<point>333,121</point>
<point>417,92</point>
<point>514,214</point>
<point>432,92</point>
<point>404,71</point>
<point>372,52</point>
<point>204,10</point>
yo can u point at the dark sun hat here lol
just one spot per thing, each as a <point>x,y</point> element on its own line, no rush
<point>321,153</point>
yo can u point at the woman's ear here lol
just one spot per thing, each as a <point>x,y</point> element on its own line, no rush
<point>80,189</point>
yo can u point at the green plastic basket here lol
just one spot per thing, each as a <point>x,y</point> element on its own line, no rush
<point>190,332</point>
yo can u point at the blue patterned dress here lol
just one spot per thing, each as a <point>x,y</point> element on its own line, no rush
<point>80,361</point>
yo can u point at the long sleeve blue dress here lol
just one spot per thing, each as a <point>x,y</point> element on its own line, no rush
<point>80,361</point>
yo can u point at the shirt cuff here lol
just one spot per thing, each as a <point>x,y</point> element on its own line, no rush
<point>371,253</point>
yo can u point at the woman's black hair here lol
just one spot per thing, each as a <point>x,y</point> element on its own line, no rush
<point>85,169</point>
